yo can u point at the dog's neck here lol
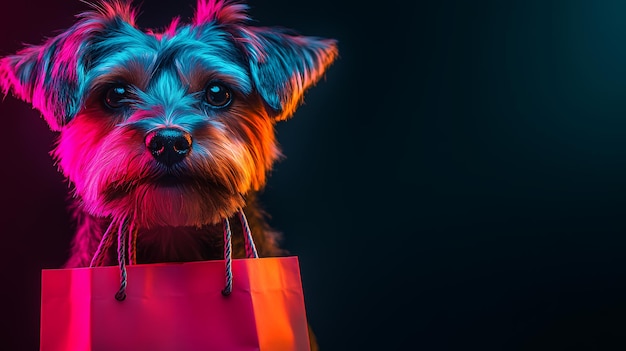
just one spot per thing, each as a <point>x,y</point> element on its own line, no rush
<point>174,244</point>
<point>180,244</point>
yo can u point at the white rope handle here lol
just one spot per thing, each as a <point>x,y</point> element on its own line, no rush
<point>251,251</point>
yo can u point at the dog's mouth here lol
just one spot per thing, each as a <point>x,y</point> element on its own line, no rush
<point>164,181</point>
<point>171,180</point>
<point>121,189</point>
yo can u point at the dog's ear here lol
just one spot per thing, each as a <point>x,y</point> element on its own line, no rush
<point>284,65</point>
<point>51,76</point>
<point>42,76</point>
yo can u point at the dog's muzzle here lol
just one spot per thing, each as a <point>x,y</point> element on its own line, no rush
<point>169,145</point>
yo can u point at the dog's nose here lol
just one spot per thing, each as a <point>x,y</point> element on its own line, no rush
<point>168,145</point>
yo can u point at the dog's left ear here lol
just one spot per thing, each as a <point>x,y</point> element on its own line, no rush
<point>51,76</point>
<point>36,75</point>
<point>285,65</point>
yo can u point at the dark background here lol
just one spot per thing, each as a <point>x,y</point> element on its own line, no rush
<point>457,182</point>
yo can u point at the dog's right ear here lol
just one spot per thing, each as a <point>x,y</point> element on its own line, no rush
<point>51,76</point>
<point>284,65</point>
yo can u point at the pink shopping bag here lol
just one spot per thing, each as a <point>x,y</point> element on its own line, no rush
<point>176,307</point>
<point>230,305</point>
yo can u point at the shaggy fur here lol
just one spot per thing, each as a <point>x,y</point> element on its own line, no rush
<point>164,77</point>
<point>172,130</point>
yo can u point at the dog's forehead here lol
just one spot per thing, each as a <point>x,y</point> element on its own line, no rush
<point>193,55</point>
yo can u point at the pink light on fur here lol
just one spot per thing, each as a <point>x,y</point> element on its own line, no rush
<point>30,72</point>
<point>224,11</point>
<point>171,29</point>
<point>113,9</point>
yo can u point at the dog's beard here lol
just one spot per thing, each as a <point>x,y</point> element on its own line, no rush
<point>170,203</point>
<point>115,176</point>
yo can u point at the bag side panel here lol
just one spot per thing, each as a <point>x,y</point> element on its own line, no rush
<point>278,300</point>
<point>65,310</point>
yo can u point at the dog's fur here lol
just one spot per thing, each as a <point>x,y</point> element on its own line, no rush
<point>164,76</point>
<point>109,87</point>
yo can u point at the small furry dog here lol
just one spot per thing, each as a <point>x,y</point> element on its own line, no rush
<point>168,131</point>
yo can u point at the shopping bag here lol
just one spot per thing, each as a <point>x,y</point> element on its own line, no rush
<point>176,307</point>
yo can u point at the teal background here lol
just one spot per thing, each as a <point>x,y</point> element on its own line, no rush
<point>457,182</point>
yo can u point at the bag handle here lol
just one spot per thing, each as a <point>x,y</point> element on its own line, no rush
<point>251,251</point>
<point>123,228</point>
<point>120,295</point>
<point>105,244</point>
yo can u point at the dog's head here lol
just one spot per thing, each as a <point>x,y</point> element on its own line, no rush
<point>170,127</point>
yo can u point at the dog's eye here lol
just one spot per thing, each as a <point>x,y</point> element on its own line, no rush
<point>116,96</point>
<point>217,95</point>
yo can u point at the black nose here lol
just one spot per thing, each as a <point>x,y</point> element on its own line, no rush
<point>168,145</point>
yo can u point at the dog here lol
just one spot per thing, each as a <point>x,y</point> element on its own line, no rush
<point>170,131</point>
